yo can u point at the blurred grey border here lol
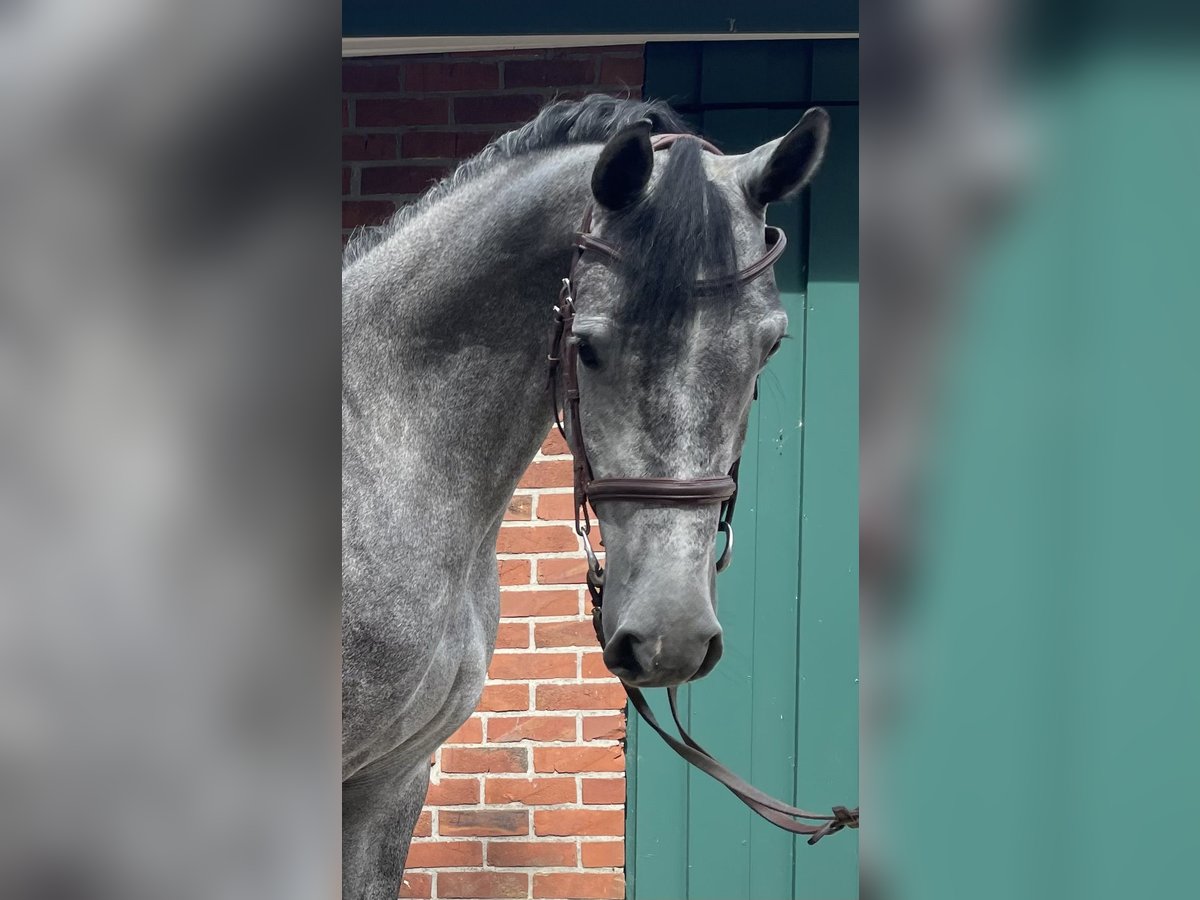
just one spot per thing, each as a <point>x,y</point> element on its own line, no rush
<point>1028,490</point>
<point>169,525</point>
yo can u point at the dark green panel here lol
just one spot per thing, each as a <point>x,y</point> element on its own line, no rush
<point>756,72</point>
<point>833,255</point>
<point>367,18</point>
<point>658,867</point>
<point>835,72</point>
<point>673,73</point>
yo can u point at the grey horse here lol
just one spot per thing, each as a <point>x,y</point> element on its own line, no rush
<point>445,400</point>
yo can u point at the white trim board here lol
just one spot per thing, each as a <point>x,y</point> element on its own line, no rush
<point>401,46</point>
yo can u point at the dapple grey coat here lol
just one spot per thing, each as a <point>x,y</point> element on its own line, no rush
<point>446,314</point>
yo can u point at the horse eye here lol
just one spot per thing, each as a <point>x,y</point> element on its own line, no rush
<point>775,348</point>
<point>587,354</point>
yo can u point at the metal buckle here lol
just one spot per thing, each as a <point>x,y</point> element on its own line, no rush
<point>727,554</point>
<point>595,586</point>
<point>592,561</point>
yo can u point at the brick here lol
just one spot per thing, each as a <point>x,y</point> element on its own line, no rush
<point>514,604</point>
<point>535,539</point>
<point>577,885</point>
<point>512,636</point>
<point>549,72</point>
<point>345,113</point>
<point>603,791</point>
<point>531,853</point>
<point>510,108</point>
<point>580,696</point>
<point>562,571</point>
<point>366,212</point>
<point>453,792</point>
<point>550,473</point>
<point>502,729</point>
<point>491,885</point>
<point>579,633</point>
<point>400,179</point>
<point>468,143</point>
<point>529,791</point>
<point>576,633</point>
<point>593,664</point>
<point>531,666</point>
<point>345,180</point>
<point>556,508</point>
<point>592,758</point>
<point>514,571</point>
<point>570,822</point>
<point>469,732</point>
<point>402,111</point>
<point>428,145</point>
<point>424,826</point>
<point>432,854</point>
<point>422,77</point>
<point>604,728</point>
<point>504,698</point>
<point>560,508</point>
<point>483,822</point>
<point>416,884</point>
<point>554,445</point>
<point>485,759</point>
<point>364,79</point>
<point>624,71</point>
<point>602,854</point>
<point>520,508</point>
<point>368,146</point>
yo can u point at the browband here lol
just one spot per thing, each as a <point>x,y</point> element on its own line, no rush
<point>776,243</point>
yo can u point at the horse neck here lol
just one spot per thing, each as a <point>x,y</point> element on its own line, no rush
<point>444,339</point>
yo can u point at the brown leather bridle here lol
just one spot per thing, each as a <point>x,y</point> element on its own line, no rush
<point>564,361</point>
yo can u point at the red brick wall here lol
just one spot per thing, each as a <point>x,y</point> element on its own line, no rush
<point>527,798</point>
<point>407,120</point>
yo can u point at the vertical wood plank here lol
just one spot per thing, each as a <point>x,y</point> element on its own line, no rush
<point>827,726</point>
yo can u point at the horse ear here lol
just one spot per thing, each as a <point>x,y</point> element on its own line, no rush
<point>780,168</point>
<point>623,169</point>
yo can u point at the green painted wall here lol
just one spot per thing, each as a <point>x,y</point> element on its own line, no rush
<point>782,706</point>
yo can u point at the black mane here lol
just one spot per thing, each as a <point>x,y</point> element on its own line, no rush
<point>594,119</point>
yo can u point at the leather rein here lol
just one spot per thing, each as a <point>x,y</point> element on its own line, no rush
<point>563,364</point>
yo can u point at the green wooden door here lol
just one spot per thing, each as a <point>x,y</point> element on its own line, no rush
<point>782,706</point>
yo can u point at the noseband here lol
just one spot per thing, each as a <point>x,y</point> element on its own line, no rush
<point>564,364</point>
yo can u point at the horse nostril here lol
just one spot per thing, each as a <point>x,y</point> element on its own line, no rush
<point>621,654</point>
<point>712,656</point>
